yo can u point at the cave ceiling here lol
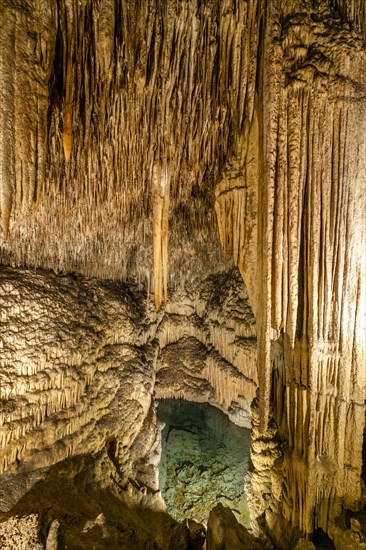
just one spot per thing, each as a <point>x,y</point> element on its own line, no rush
<point>137,136</point>
<point>122,116</point>
<point>177,149</point>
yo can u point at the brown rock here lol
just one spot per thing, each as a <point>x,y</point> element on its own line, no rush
<point>225,533</point>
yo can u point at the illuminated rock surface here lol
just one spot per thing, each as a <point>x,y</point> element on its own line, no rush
<point>20,533</point>
<point>80,361</point>
<point>225,533</point>
<point>155,145</point>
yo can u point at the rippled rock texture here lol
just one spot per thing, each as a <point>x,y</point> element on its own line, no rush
<point>157,142</point>
<point>204,460</point>
<point>79,366</point>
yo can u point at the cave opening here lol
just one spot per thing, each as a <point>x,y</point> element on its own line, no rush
<point>322,541</point>
<point>203,462</point>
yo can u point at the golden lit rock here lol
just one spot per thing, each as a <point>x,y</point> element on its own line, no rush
<point>167,154</point>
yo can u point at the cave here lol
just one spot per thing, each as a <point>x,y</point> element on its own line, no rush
<point>204,461</point>
<point>182,216</point>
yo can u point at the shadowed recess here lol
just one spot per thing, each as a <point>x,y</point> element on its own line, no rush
<point>204,460</point>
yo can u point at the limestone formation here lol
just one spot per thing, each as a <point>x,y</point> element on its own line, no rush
<point>20,533</point>
<point>225,533</point>
<point>155,157</point>
<point>82,362</point>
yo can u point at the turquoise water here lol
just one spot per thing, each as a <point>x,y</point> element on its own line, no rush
<point>204,460</point>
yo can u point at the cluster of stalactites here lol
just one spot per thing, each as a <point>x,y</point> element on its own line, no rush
<point>110,89</point>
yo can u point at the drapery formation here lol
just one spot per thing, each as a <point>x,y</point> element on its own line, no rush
<point>308,253</point>
<point>122,122</point>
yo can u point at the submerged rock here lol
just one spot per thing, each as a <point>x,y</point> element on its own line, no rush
<point>204,460</point>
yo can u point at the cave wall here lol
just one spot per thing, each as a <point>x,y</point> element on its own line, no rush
<point>317,267</point>
<point>309,286</point>
<point>82,363</point>
<point>129,132</point>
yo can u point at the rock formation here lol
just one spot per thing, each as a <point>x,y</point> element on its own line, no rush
<point>225,533</point>
<point>155,156</point>
<point>83,363</point>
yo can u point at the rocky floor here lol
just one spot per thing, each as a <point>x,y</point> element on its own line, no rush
<point>204,460</point>
<point>20,533</point>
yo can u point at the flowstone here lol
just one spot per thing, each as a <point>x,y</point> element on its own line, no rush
<point>204,459</point>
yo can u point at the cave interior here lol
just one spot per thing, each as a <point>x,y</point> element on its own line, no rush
<point>182,258</point>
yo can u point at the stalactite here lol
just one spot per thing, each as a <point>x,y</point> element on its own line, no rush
<point>269,95</point>
<point>160,190</point>
<point>185,370</point>
<point>26,60</point>
<point>307,190</point>
<point>121,99</point>
<point>69,81</point>
<point>7,51</point>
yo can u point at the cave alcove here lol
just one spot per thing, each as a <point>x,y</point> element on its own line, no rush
<point>159,145</point>
<point>322,541</point>
<point>204,460</point>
